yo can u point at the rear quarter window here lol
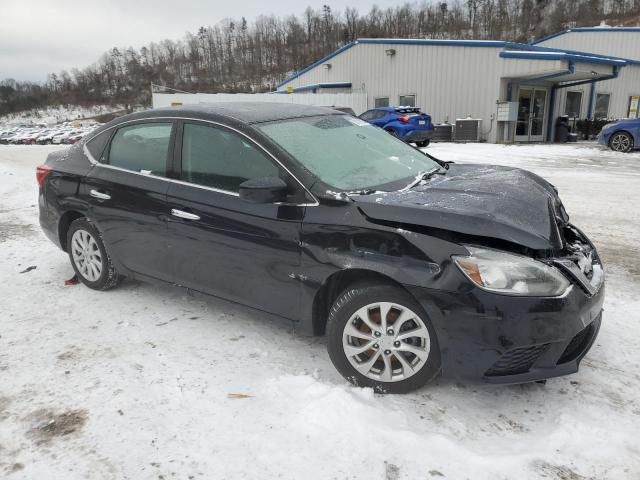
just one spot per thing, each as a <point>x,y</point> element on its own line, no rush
<point>97,145</point>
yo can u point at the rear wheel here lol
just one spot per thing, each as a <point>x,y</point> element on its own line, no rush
<point>380,337</point>
<point>621,142</point>
<point>424,143</point>
<point>89,257</point>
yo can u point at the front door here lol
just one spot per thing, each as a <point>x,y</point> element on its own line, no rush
<point>532,106</point>
<point>221,244</point>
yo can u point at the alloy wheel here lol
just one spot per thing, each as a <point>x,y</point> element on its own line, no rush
<point>386,342</point>
<point>621,142</point>
<point>86,255</point>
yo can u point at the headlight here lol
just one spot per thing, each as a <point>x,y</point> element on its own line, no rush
<point>512,274</point>
<point>608,125</point>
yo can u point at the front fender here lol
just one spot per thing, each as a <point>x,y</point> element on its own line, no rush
<point>405,257</point>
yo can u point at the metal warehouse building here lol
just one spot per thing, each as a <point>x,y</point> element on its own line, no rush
<point>516,90</point>
<point>617,98</point>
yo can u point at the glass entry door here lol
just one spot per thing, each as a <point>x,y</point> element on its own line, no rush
<point>532,106</point>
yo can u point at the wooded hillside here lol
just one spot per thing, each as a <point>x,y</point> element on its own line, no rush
<point>238,56</point>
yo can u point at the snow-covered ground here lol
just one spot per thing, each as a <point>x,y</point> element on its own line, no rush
<point>56,114</point>
<point>142,382</point>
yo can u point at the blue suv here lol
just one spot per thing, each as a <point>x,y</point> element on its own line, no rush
<point>622,136</point>
<point>407,123</point>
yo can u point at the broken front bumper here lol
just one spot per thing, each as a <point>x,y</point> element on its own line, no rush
<point>507,339</point>
<point>515,339</point>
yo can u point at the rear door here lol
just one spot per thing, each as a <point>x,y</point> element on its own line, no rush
<point>221,244</point>
<point>127,191</point>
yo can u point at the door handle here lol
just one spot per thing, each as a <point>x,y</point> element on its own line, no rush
<point>182,214</point>
<point>100,195</point>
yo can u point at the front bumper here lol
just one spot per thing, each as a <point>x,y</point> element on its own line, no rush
<point>603,138</point>
<point>506,339</point>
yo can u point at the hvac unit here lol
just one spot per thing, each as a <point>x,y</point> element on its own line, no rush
<point>442,133</point>
<point>468,129</point>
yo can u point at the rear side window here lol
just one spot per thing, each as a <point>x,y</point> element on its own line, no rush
<point>368,115</point>
<point>141,148</point>
<point>97,145</point>
<point>219,158</point>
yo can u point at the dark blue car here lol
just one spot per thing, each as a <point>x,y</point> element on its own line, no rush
<point>622,136</point>
<point>407,123</point>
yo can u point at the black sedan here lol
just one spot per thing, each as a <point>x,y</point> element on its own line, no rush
<point>411,266</point>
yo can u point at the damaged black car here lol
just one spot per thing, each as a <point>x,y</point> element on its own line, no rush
<point>411,266</point>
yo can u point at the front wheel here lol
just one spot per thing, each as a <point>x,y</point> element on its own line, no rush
<point>422,144</point>
<point>380,337</point>
<point>621,142</point>
<point>89,257</point>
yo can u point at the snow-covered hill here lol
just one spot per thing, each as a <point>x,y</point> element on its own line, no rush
<point>56,114</point>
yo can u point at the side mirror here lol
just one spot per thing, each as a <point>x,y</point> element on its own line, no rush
<point>263,190</point>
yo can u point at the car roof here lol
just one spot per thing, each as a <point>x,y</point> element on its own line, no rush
<point>246,112</point>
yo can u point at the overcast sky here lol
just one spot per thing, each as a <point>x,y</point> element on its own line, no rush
<point>42,36</point>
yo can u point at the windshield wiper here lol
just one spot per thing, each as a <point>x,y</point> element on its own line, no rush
<point>443,163</point>
<point>425,176</point>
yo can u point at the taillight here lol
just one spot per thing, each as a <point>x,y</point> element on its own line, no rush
<point>404,119</point>
<point>42,171</point>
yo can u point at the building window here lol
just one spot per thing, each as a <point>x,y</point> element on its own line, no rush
<point>382,102</point>
<point>407,100</point>
<point>634,102</point>
<point>573,104</point>
<point>602,105</point>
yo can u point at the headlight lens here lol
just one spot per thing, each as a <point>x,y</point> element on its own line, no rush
<point>512,274</point>
<point>607,125</point>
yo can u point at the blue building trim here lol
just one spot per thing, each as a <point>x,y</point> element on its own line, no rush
<point>453,43</point>
<point>592,99</point>
<point>570,69</point>
<point>586,29</point>
<point>431,41</point>
<point>551,114</point>
<point>535,48</point>
<point>400,41</point>
<point>319,62</point>
<point>559,55</point>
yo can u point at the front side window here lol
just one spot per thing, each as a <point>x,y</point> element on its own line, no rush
<point>573,104</point>
<point>141,148</point>
<point>407,100</point>
<point>219,158</point>
<point>348,153</point>
<point>602,105</point>
<point>382,102</point>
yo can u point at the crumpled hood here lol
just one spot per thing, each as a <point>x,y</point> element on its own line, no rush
<point>483,200</point>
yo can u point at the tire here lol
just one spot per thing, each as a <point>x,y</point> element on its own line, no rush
<point>621,142</point>
<point>424,143</point>
<point>392,132</point>
<point>88,256</point>
<point>346,330</point>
